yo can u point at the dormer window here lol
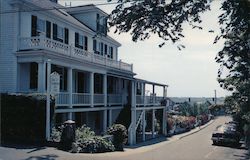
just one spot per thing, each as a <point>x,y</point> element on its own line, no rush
<point>101,25</point>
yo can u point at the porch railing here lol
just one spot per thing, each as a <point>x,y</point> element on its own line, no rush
<point>114,99</point>
<point>98,98</point>
<point>81,98</point>
<point>62,98</point>
<point>148,100</point>
<point>30,43</point>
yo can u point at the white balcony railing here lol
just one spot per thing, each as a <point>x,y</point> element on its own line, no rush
<point>31,43</point>
<point>98,98</point>
<point>148,100</point>
<point>62,98</point>
<point>139,100</point>
<point>114,99</point>
<point>81,98</point>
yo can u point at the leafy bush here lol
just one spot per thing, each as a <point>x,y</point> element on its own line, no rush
<point>56,134</point>
<point>119,132</point>
<point>88,142</point>
<point>84,132</point>
<point>93,144</point>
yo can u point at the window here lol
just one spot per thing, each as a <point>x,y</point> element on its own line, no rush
<point>86,43</point>
<point>40,27</point>
<point>94,46</point>
<point>33,75</point>
<point>60,34</point>
<point>81,41</point>
<point>110,54</point>
<point>101,48</point>
<point>97,22</point>
<point>105,49</point>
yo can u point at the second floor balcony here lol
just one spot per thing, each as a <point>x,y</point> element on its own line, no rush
<point>43,43</point>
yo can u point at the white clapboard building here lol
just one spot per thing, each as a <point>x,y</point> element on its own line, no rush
<point>40,37</point>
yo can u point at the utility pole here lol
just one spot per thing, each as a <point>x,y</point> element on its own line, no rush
<point>215,98</point>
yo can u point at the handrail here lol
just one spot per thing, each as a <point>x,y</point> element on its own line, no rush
<point>41,42</point>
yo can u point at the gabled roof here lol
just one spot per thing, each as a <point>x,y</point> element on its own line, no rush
<point>85,8</point>
<point>58,10</point>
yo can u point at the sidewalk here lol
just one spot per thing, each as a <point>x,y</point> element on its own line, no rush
<point>158,142</point>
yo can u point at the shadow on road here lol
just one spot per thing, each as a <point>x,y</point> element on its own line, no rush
<point>148,142</point>
<point>245,156</point>
<point>43,157</point>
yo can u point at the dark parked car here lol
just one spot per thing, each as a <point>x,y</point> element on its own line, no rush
<point>226,134</point>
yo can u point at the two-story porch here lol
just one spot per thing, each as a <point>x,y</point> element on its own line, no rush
<point>93,88</point>
<point>148,111</point>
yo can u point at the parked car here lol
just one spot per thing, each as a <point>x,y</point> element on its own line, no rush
<point>226,134</point>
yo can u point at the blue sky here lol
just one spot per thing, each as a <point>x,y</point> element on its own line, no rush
<point>191,72</point>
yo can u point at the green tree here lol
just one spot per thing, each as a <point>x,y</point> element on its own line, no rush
<point>166,18</point>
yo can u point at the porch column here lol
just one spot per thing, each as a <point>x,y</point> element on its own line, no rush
<point>110,117</point>
<point>143,125</point>
<point>105,102</point>
<point>164,121</point>
<point>133,113</point>
<point>154,94</point>
<point>105,91</point>
<point>91,82</point>
<point>104,121</point>
<point>41,76</point>
<point>69,88</point>
<point>144,94</point>
<point>48,101</point>
<point>164,92</point>
<point>153,123</point>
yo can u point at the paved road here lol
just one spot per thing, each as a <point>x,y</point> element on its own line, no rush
<point>197,146</point>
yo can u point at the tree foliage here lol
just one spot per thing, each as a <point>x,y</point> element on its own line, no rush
<point>165,18</point>
<point>235,55</point>
<point>146,17</point>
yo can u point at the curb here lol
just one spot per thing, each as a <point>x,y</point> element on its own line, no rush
<point>206,125</point>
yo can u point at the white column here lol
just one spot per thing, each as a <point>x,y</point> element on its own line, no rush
<point>143,125</point>
<point>41,77</point>
<point>48,101</point>
<point>110,117</point>
<point>105,102</point>
<point>104,120</point>
<point>153,123</point>
<point>153,94</point>
<point>164,121</point>
<point>70,77</point>
<point>164,92</point>
<point>133,112</point>
<point>105,90</point>
<point>91,82</point>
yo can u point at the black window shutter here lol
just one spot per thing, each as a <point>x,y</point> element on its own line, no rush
<point>76,39</point>
<point>86,43</point>
<point>33,25</point>
<point>66,35</point>
<point>94,45</point>
<point>48,29</point>
<point>54,31</point>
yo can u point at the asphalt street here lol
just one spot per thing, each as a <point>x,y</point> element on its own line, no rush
<point>196,146</point>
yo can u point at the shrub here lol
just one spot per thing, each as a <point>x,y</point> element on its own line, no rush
<point>56,134</point>
<point>120,135</point>
<point>84,132</point>
<point>87,142</point>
